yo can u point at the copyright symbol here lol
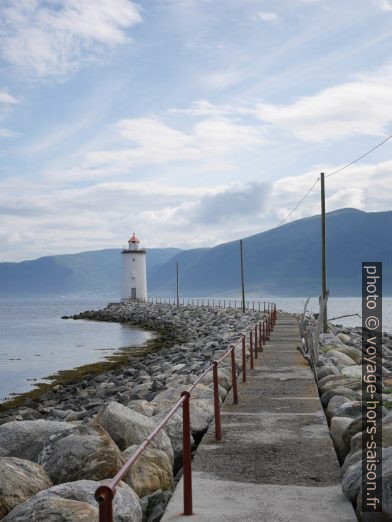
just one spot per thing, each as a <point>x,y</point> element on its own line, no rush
<point>372,323</point>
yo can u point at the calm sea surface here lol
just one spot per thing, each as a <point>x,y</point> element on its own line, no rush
<point>35,342</point>
<point>337,306</point>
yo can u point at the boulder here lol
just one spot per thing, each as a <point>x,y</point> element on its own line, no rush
<point>340,359</point>
<point>328,369</point>
<point>127,427</point>
<point>45,506</point>
<point>142,406</point>
<point>338,390</point>
<point>356,441</point>
<point>354,427</point>
<point>151,471</point>
<point>346,339</point>
<point>85,452</point>
<point>353,372</point>
<point>349,409</point>
<point>19,480</point>
<point>352,482</point>
<point>333,405</point>
<point>75,502</point>
<point>25,439</point>
<point>350,351</point>
<point>338,426</point>
<point>174,430</point>
<point>126,504</point>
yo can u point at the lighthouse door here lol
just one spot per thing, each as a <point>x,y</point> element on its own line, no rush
<point>133,295</point>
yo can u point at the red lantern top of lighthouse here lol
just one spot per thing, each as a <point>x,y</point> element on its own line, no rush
<point>133,239</point>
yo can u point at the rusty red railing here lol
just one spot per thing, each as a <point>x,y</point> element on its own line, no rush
<point>257,338</point>
<point>261,306</point>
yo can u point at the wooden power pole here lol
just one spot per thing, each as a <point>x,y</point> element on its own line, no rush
<point>323,254</point>
<point>178,295</point>
<point>242,276</point>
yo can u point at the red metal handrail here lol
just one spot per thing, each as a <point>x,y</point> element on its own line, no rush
<point>105,493</point>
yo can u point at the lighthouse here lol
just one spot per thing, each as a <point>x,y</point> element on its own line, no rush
<point>134,277</point>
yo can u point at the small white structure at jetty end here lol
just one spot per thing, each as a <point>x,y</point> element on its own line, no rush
<point>134,274</point>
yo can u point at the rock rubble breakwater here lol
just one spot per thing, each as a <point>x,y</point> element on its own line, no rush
<point>56,450</point>
<point>339,375</point>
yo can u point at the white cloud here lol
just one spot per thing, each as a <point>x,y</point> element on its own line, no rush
<point>149,141</point>
<point>362,106</point>
<point>51,38</point>
<point>266,17</point>
<point>38,219</point>
<point>7,98</point>
<point>370,193</point>
<point>384,5</point>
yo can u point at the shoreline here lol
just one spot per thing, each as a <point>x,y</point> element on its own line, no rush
<point>73,375</point>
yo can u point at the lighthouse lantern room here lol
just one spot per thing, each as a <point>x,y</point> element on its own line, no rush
<point>134,277</point>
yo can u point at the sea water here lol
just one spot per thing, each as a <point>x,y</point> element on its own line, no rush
<point>35,342</point>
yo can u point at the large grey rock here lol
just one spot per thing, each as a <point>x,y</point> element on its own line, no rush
<point>349,351</point>
<point>151,471</point>
<point>25,439</point>
<point>351,409</point>
<point>75,502</point>
<point>52,508</point>
<point>127,427</point>
<point>340,358</point>
<point>334,404</point>
<point>353,372</point>
<point>126,504</point>
<point>174,430</point>
<point>328,369</point>
<point>356,441</point>
<point>339,390</point>
<point>85,452</point>
<point>338,426</point>
<point>19,480</point>
<point>352,482</point>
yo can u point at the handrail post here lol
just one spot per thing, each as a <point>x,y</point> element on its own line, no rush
<point>218,429</point>
<point>260,337</point>
<point>243,359</point>
<point>256,343</point>
<point>187,454</point>
<point>104,496</point>
<point>264,333</point>
<point>234,376</point>
<point>251,349</point>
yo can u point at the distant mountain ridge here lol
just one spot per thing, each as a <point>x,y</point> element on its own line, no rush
<point>283,261</point>
<point>96,272</point>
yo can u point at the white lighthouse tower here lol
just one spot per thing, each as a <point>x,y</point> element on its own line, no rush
<point>134,277</point>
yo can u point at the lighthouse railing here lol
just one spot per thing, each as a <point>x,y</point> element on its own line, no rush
<point>254,304</point>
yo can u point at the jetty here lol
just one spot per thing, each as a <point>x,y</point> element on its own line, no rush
<point>276,460</point>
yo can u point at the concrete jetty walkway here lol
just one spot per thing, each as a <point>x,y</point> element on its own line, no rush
<point>276,461</point>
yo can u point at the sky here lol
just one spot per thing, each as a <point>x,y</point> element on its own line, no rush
<point>188,122</point>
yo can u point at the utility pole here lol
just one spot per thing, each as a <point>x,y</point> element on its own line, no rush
<point>178,298</point>
<point>323,254</point>
<point>242,276</point>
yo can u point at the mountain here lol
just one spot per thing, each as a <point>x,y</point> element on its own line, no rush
<point>283,261</point>
<point>96,272</point>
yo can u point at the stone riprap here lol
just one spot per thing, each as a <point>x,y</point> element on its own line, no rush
<point>339,373</point>
<point>80,433</point>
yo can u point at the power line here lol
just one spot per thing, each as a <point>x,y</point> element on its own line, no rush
<point>300,202</point>
<point>332,173</point>
<point>360,157</point>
